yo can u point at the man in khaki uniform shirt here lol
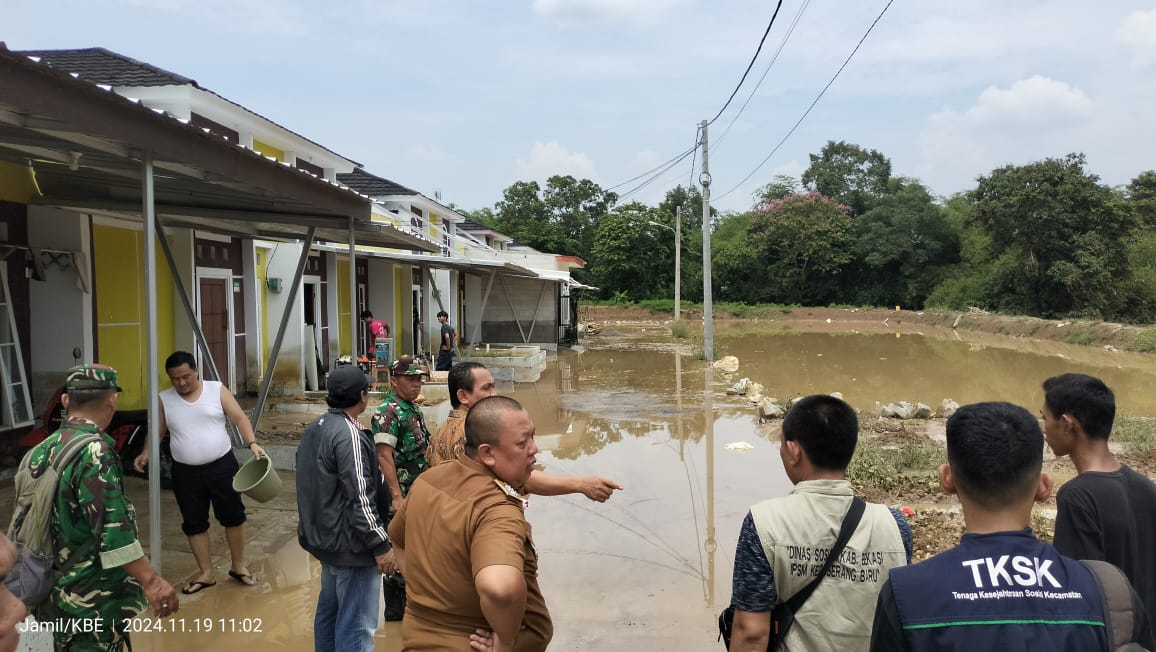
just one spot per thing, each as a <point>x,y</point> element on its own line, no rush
<point>465,546</point>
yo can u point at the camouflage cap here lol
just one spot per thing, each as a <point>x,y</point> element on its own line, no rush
<point>91,376</point>
<point>407,365</point>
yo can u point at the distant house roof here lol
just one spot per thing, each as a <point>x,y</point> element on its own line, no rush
<point>372,185</point>
<point>101,66</point>
<point>470,225</point>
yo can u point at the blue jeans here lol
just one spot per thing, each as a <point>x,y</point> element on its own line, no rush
<point>347,609</point>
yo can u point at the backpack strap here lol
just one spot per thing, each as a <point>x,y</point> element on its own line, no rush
<point>67,455</point>
<point>850,522</point>
<point>1116,594</point>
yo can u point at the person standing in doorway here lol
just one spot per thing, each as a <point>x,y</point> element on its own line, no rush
<point>401,437</point>
<point>193,413</point>
<point>339,521</point>
<point>446,348</point>
<point>377,328</point>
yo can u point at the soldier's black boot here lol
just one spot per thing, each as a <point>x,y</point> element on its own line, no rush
<point>393,591</point>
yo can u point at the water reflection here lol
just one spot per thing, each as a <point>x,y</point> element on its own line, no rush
<point>650,568</point>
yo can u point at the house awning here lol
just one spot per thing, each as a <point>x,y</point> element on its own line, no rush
<point>85,143</point>
<point>459,263</point>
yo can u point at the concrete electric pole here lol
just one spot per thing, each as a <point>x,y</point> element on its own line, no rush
<point>677,259</point>
<point>707,303</point>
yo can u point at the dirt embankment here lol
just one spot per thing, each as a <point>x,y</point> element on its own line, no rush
<point>1091,333</point>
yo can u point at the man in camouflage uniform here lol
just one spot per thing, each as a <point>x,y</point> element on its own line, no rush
<point>401,437</point>
<point>113,581</point>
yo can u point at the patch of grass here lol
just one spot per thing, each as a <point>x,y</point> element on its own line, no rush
<point>680,329</point>
<point>657,305</point>
<point>1144,341</point>
<point>909,472</point>
<point>1138,434</point>
<point>1033,329</point>
<point>1081,335</point>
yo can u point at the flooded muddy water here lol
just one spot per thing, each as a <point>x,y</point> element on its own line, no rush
<point>651,568</point>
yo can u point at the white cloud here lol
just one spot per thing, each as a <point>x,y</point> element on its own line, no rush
<point>638,11</point>
<point>1033,119</point>
<point>548,159</point>
<point>1138,35</point>
<point>645,160</point>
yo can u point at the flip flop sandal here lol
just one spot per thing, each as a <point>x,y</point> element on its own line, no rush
<point>197,587</point>
<point>244,578</point>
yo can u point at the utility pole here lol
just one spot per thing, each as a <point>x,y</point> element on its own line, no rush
<point>677,259</point>
<point>707,303</point>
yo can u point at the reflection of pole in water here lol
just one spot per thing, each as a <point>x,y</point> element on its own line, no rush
<point>678,397</point>
<point>710,545</point>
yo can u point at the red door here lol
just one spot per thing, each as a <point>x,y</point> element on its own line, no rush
<point>215,324</point>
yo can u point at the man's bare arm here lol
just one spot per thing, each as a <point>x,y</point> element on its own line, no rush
<point>593,487</point>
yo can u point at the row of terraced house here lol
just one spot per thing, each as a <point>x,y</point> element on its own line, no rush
<point>256,229</point>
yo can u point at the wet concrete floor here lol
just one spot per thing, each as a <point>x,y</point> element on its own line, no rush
<point>650,568</point>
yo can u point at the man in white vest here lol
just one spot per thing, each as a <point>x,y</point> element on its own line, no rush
<point>193,413</point>
<point>784,541</point>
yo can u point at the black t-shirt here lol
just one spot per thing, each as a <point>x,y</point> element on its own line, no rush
<point>447,341</point>
<point>1112,517</point>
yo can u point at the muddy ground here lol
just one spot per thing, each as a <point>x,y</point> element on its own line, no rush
<point>897,459</point>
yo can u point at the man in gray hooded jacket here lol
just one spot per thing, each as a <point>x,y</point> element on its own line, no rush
<point>338,481</point>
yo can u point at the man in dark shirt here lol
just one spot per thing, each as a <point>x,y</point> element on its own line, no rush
<point>446,343</point>
<point>1001,588</point>
<point>1108,511</point>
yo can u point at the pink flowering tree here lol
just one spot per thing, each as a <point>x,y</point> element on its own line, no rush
<point>804,241</point>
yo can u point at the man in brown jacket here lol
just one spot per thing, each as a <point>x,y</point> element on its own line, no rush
<point>465,546</point>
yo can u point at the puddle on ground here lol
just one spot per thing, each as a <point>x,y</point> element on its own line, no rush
<point>651,568</point>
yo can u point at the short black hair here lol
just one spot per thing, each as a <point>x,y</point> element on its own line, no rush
<point>82,398</point>
<point>826,427</point>
<point>1086,398</point>
<point>996,453</point>
<point>178,358</point>
<point>442,313</point>
<point>365,314</point>
<point>461,376</point>
<point>484,421</point>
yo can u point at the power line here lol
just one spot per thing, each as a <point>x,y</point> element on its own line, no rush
<point>774,58</point>
<point>658,175</point>
<point>749,65</point>
<point>676,159</point>
<point>816,101</point>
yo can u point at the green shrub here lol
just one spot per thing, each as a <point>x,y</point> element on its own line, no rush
<point>1137,433</point>
<point>1144,341</point>
<point>1081,335</point>
<point>680,329</point>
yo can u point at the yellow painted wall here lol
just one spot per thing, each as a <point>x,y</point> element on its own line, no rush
<point>268,150</point>
<point>343,323</point>
<point>17,183</point>
<point>119,280</point>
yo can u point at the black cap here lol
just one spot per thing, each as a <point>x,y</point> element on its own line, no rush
<point>345,385</point>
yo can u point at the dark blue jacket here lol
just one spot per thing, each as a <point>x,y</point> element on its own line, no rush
<point>1002,591</point>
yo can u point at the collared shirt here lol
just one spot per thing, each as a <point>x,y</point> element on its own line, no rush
<point>449,442</point>
<point>92,511</point>
<point>400,425</point>
<point>456,522</point>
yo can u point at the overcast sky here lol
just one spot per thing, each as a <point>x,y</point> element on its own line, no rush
<point>467,96</point>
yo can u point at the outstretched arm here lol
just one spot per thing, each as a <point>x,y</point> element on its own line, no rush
<point>593,487</point>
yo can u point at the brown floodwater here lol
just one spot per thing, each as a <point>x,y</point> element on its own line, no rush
<point>651,568</point>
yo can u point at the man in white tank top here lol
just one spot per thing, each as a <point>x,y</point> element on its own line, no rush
<point>193,413</point>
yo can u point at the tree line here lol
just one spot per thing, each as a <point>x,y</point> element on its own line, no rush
<point>1046,239</point>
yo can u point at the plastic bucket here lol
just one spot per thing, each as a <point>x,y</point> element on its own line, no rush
<point>258,479</point>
